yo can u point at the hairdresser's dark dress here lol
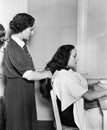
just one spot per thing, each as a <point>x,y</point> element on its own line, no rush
<point>19,93</point>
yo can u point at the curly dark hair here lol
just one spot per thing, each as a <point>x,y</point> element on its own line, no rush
<point>20,22</point>
<point>2,34</point>
<point>59,61</point>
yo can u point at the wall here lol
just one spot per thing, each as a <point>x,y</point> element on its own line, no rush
<point>8,8</point>
<point>92,38</point>
<point>56,24</point>
<point>97,38</point>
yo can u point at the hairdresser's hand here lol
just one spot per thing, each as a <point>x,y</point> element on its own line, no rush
<point>49,74</point>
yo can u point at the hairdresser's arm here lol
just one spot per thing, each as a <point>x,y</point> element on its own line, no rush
<point>37,75</point>
<point>91,95</point>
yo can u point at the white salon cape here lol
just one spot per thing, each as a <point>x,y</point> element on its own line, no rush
<point>69,86</point>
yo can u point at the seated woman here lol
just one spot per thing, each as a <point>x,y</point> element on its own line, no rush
<point>71,89</point>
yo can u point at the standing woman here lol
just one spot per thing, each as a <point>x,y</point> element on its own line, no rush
<point>20,74</point>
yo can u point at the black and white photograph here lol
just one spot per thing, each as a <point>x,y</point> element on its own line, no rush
<point>53,67</point>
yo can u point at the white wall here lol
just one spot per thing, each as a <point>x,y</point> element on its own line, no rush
<point>56,24</point>
<point>92,41</point>
<point>97,38</point>
<point>8,8</point>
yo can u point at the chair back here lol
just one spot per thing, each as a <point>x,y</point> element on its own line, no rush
<point>55,110</point>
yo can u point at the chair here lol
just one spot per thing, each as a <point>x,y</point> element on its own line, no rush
<point>55,110</point>
<point>58,124</point>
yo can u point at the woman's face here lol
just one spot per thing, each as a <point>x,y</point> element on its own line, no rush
<point>72,63</point>
<point>27,33</point>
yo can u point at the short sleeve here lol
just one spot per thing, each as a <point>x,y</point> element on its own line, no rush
<point>16,62</point>
<point>21,63</point>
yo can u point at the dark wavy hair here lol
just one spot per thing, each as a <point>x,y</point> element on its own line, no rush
<point>2,35</point>
<point>59,61</point>
<point>21,22</point>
